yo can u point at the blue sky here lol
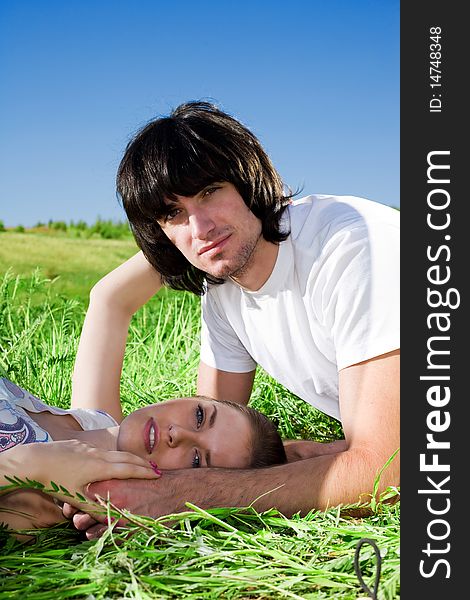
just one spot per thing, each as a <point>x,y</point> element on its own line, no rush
<point>316,81</point>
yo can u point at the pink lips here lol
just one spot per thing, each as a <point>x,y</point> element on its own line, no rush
<point>218,244</point>
<point>151,435</point>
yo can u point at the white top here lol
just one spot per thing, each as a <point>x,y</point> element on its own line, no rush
<point>331,301</point>
<point>17,427</point>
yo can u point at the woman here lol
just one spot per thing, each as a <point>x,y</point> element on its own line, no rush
<point>77,446</point>
<point>92,442</point>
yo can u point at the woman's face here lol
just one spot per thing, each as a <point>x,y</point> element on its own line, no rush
<point>188,433</point>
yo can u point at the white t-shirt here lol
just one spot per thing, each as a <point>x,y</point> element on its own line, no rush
<point>331,301</point>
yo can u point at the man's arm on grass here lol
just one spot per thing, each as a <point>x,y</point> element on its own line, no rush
<point>98,364</point>
<point>369,399</point>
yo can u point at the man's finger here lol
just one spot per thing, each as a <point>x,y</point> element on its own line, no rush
<point>95,532</point>
<point>83,521</point>
<point>68,510</point>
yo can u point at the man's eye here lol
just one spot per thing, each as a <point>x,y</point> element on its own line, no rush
<point>171,214</point>
<point>196,460</point>
<point>210,191</point>
<point>199,415</point>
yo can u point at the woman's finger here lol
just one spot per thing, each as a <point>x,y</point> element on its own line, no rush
<point>126,457</point>
<point>118,456</point>
<point>126,471</point>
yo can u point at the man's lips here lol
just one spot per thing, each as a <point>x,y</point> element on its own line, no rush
<point>151,435</point>
<point>216,245</point>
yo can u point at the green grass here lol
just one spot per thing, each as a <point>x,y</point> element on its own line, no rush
<point>222,553</point>
<point>75,264</point>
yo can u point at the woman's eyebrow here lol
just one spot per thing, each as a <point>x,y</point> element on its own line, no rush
<point>211,424</point>
<point>213,417</point>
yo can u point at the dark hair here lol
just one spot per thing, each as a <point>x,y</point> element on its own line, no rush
<point>196,145</point>
<point>266,447</point>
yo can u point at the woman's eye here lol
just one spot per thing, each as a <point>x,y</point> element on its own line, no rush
<point>196,460</point>
<point>199,415</point>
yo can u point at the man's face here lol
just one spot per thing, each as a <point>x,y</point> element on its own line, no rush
<point>214,230</point>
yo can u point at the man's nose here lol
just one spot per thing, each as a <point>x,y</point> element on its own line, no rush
<point>201,223</point>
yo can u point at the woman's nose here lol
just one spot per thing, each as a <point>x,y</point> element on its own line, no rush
<point>178,435</point>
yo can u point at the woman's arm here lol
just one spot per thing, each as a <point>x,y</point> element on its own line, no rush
<point>113,301</point>
<point>30,509</point>
<point>24,508</point>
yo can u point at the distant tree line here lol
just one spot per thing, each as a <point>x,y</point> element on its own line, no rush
<point>102,228</point>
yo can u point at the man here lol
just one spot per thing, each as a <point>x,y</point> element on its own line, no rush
<point>307,289</point>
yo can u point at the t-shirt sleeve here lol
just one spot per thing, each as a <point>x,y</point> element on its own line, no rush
<point>358,292</point>
<point>90,418</point>
<point>221,348</point>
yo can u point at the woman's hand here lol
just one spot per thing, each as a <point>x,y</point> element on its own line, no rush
<point>73,465</point>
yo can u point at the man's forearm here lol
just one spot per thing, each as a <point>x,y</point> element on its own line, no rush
<point>328,480</point>
<point>314,483</point>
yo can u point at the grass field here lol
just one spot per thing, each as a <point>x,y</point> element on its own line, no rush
<point>222,553</point>
<point>75,264</point>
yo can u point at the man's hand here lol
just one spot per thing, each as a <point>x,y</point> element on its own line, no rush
<point>177,487</point>
<point>151,500</point>
<point>302,449</point>
<point>83,522</point>
<point>129,494</point>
